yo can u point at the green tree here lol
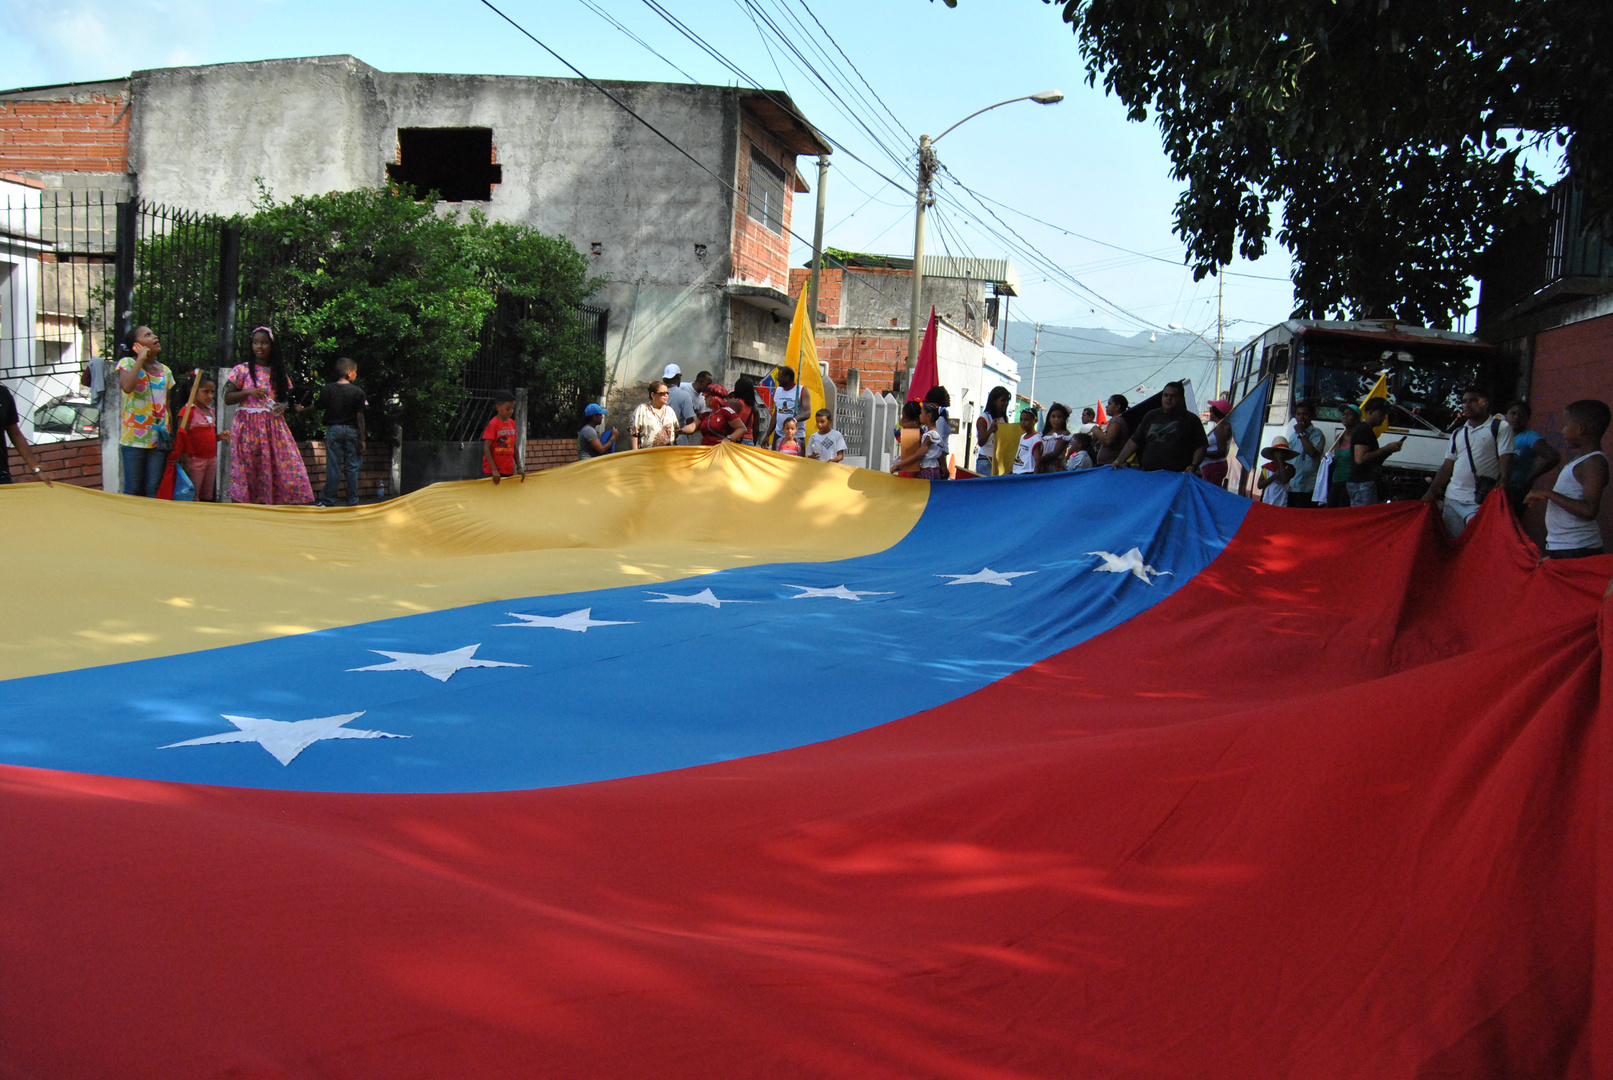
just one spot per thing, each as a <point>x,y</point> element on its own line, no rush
<point>405,290</point>
<point>1387,133</point>
<point>539,283</point>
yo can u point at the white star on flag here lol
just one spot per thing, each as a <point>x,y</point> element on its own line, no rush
<point>440,666</point>
<point>839,592</point>
<point>1129,563</point>
<point>988,576</point>
<point>579,621</point>
<point>704,596</point>
<point>285,739</point>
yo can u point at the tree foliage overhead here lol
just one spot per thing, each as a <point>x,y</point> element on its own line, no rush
<point>1384,132</point>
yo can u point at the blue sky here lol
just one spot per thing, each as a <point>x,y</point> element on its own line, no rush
<point>1078,165</point>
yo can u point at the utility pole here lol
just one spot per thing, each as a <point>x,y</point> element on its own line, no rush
<point>1003,315</point>
<point>926,172</point>
<point>1036,349</point>
<point>1220,324</point>
<point>817,240</point>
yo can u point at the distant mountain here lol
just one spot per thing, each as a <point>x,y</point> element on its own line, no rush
<point>1081,366</point>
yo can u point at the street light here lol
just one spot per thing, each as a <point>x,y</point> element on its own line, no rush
<point>926,173</point>
<point>1216,345</point>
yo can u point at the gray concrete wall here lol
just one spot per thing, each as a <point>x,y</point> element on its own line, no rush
<point>574,165</point>
<point>875,300</point>
<point>759,340</point>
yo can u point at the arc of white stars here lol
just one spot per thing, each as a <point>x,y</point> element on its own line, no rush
<point>987,576</point>
<point>578,621</point>
<point>440,666</point>
<point>285,739</point>
<point>704,596</point>
<point>839,592</point>
<point>1131,562</point>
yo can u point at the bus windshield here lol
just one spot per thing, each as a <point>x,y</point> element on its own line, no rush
<point>1425,384</point>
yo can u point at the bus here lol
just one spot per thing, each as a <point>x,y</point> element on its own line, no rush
<point>1331,364</point>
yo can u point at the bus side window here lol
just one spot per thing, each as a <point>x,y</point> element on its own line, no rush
<point>1277,360</point>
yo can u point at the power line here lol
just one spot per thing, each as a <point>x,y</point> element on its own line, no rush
<point>1045,259</point>
<point>608,17</point>
<point>755,84</point>
<point>894,119</point>
<point>1117,247</point>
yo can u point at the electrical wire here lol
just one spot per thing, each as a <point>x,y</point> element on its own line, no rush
<point>608,17</point>
<point>1117,247</point>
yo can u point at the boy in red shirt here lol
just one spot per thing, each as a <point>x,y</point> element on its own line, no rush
<point>498,441</point>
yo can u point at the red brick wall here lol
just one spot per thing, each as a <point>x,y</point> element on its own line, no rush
<point>760,254</point>
<point>372,471</point>
<point>77,461</point>
<point>549,453</point>
<point>876,357</point>
<point>830,284</point>
<point>65,136</point>
<point>1573,362</point>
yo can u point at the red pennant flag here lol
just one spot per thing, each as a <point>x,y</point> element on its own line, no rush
<point>1103,414</point>
<point>925,374</point>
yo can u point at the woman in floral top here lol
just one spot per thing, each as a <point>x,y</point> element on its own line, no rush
<point>265,464</point>
<point>143,439</point>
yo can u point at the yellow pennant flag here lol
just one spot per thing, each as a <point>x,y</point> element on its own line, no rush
<point>801,353</point>
<point>801,356</point>
<point>1379,389</point>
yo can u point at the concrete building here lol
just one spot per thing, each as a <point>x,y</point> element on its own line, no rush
<point>862,333</point>
<point>697,274</point>
<point>1546,299</point>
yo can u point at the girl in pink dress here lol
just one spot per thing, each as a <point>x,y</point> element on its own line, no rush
<point>265,464</point>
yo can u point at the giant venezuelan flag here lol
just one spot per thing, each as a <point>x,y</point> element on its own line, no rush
<point>713,763</point>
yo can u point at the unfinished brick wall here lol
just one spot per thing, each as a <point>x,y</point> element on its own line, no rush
<point>374,470</point>
<point>549,453</point>
<point>77,462</point>
<point>79,134</point>
<point>760,254</point>
<point>877,357</point>
<point>830,284</point>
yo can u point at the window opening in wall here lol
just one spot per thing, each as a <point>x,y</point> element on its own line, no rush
<point>456,163</point>
<point>766,191</point>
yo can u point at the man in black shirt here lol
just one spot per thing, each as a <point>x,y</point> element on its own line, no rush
<point>344,404</point>
<point>1368,455</point>
<point>9,428</point>
<point>1170,438</point>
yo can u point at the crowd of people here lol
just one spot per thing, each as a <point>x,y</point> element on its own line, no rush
<point>169,437</point>
<point>169,440</point>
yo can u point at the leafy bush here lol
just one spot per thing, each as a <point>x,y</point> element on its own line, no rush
<point>406,291</point>
<point>414,295</point>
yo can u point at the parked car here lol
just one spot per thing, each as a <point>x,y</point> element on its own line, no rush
<point>66,418</point>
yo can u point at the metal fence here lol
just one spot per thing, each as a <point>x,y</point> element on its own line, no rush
<point>57,263</point>
<point>79,270</point>
<point>504,360</point>
<point>1554,249</point>
<point>180,271</point>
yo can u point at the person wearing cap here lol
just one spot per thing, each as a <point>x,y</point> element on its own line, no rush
<point>591,443</point>
<point>680,399</point>
<point>1309,444</point>
<point>1277,472</point>
<point>1214,467</point>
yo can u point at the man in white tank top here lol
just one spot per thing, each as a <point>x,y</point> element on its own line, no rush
<point>1575,501</point>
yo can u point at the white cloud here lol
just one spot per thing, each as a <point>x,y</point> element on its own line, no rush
<point>82,40</point>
